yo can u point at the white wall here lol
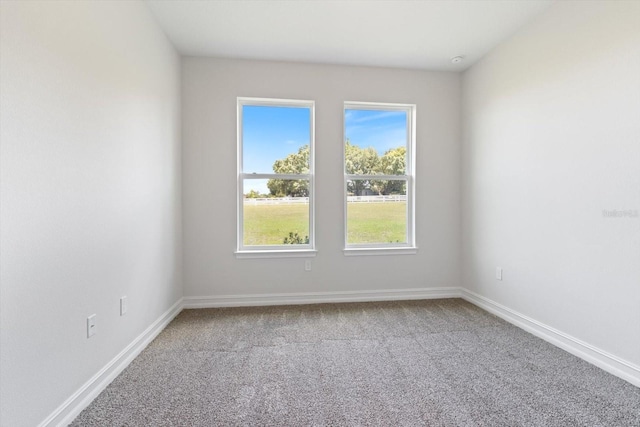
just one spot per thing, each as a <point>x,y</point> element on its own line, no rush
<point>551,139</point>
<point>210,88</point>
<point>90,201</point>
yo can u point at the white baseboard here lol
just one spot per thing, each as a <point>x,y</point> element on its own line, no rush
<point>600,358</point>
<point>72,407</point>
<point>320,297</point>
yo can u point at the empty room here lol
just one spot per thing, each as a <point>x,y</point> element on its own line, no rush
<point>328,213</point>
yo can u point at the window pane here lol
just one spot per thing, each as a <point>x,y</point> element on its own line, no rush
<point>375,218</point>
<point>375,142</point>
<point>275,139</point>
<point>270,220</point>
<point>255,188</point>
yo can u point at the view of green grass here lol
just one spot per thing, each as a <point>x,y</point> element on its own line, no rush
<point>377,222</point>
<point>270,224</point>
<point>367,222</point>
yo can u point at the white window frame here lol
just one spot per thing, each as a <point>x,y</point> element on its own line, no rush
<point>409,247</point>
<point>275,251</point>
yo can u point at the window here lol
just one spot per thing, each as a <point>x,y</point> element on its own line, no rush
<point>275,177</point>
<point>379,178</point>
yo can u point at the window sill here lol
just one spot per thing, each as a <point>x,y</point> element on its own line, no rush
<point>299,253</point>
<point>380,251</point>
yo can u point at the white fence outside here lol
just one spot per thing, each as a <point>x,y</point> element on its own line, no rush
<point>303,200</point>
<point>377,199</point>
<point>276,201</point>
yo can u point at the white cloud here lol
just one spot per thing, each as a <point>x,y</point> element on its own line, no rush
<point>370,117</point>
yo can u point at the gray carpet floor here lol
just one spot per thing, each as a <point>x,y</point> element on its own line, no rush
<point>406,363</point>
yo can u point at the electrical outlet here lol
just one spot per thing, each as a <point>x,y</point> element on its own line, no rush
<point>91,326</point>
<point>307,265</point>
<point>123,305</point>
<point>498,273</point>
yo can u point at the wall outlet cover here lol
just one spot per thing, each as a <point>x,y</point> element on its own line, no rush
<point>91,326</point>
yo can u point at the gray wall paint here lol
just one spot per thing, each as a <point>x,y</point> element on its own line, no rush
<point>209,90</point>
<point>90,173</point>
<point>551,139</point>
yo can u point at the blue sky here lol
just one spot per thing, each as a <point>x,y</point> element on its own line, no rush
<point>379,129</point>
<point>271,133</point>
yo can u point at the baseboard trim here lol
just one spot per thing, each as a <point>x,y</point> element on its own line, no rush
<point>600,358</point>
<point>72,407</point>
<point>319,297</point>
